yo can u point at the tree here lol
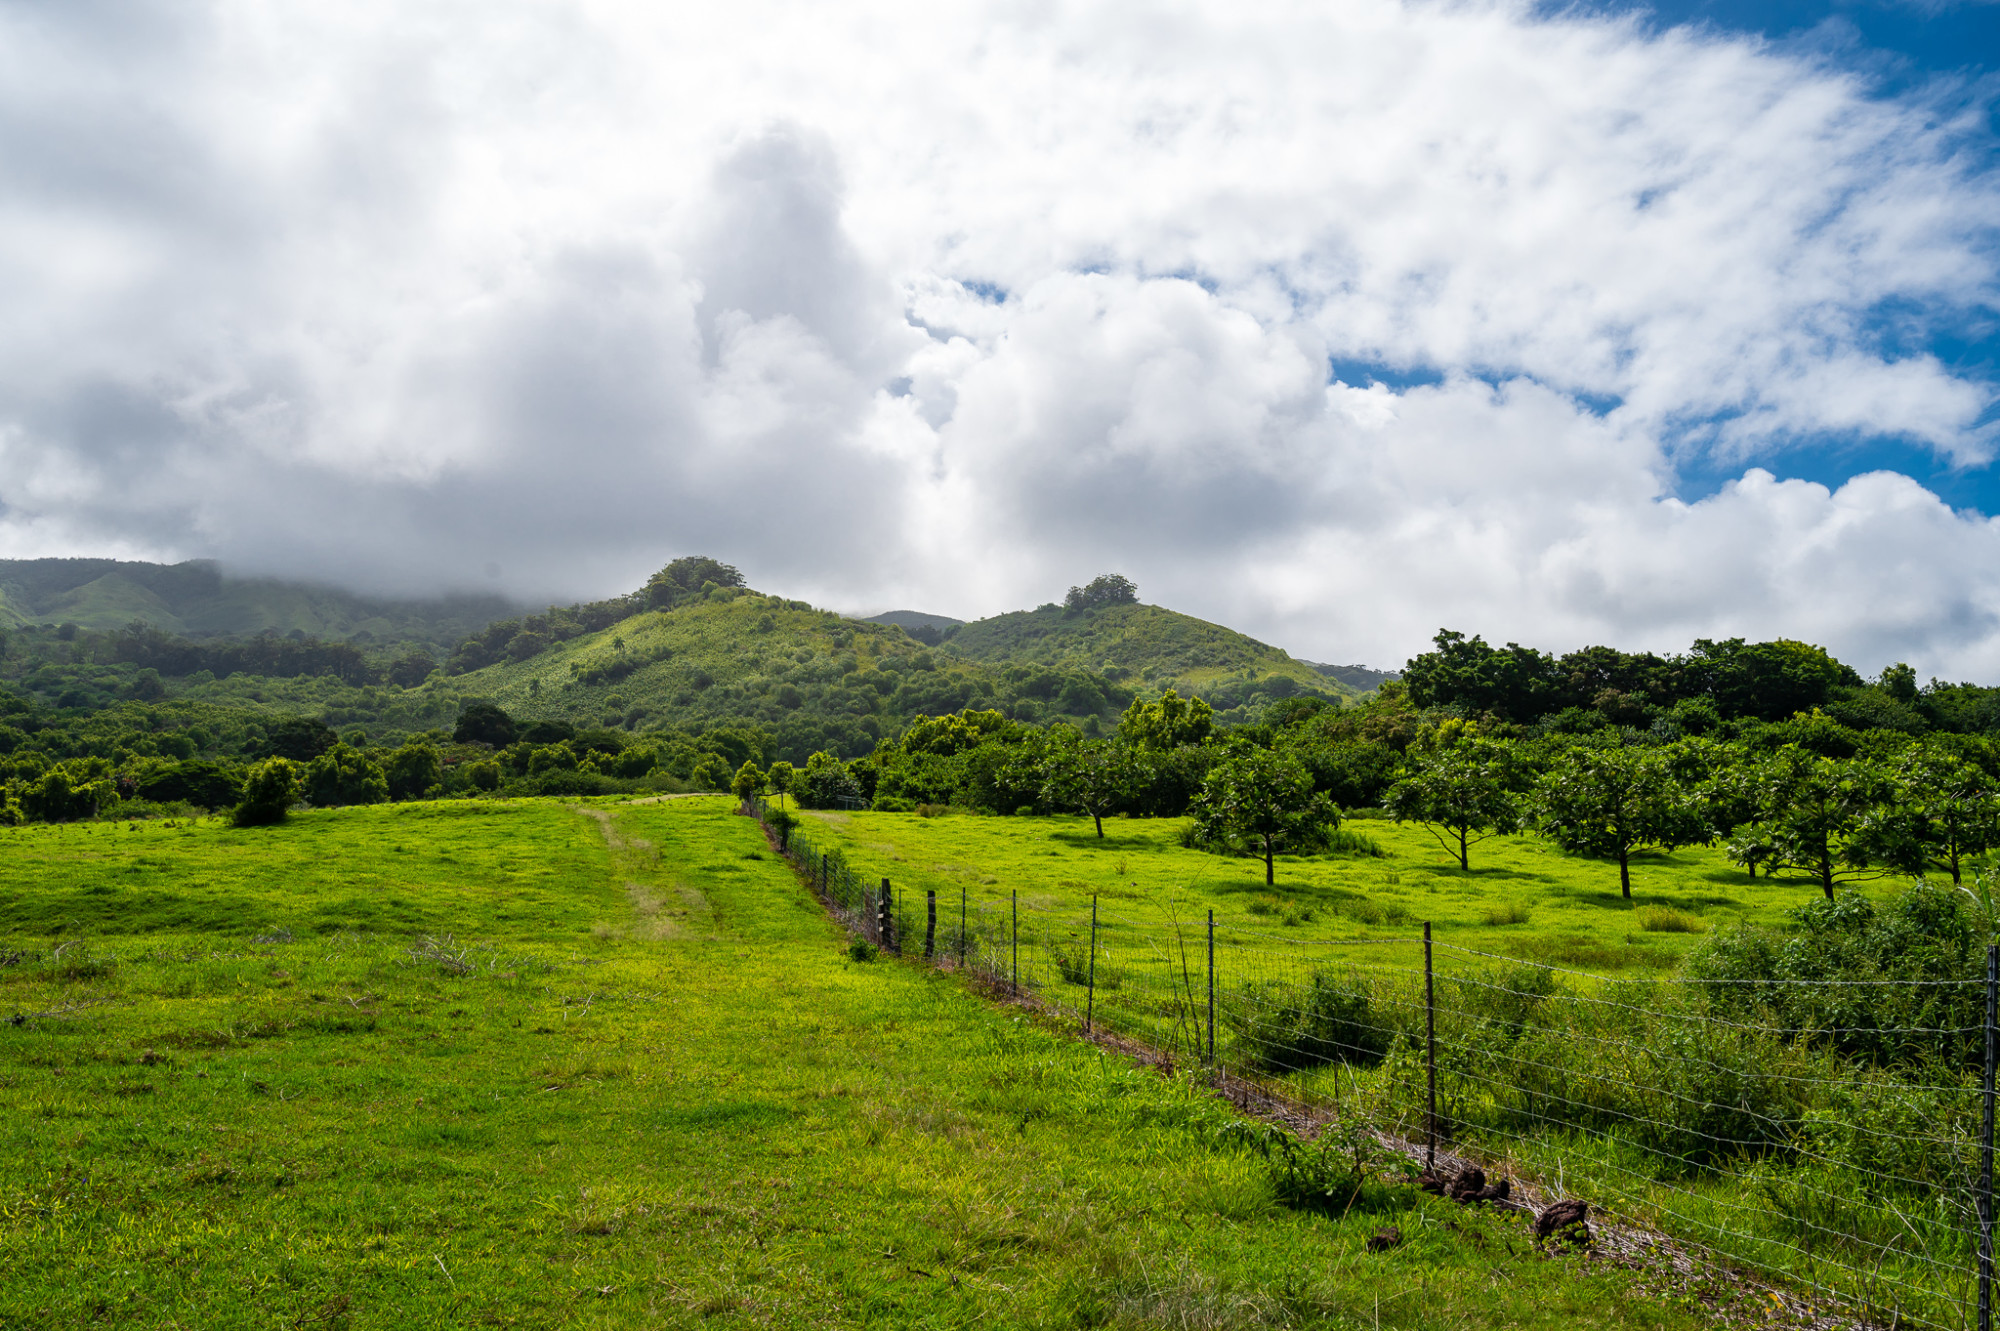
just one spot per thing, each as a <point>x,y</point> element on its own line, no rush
<point>1263,797</point>
<point>1106,589</point>
<point>685,577</point>
<point>1457,791</point>
<point>1941,810</point>
<point>748,781</point>
<point>269,793</point>
<point>1810,810</point>
<point>60,798</point>
<point>780,777</point>
<point>412,770</point>
<point>344,775</point>
<point>413,668</point>
<point>1091,776</point>
<point>484,723</point>
<point>826,783</point>
<point>1166,723</point>
<point>299,738</point>
<point>1609,800</point>
<point>194,780</point>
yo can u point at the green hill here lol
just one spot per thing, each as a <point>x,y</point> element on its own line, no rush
<point>1144,646</point>
<point>196,599</point>
<point>813,679</point>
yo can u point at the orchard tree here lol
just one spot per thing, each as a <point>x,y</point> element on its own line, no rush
<point>780,779</point>
<point>748,782</point>
<point>1941,810</point>
<point>1265,798</point>
<point>1609,800</point>
<point>1457,792</point>
<point>1812,815</point>
<point>1091,776</point>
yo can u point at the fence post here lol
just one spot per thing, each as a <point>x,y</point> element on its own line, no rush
<point>1014,905</point>
<point>930,924</point>
<point>1090,1000</point>
<point>885,920</point>
<point>1430,1059</point>
<point>1211,988</point>
<point>961,926</point>
<point>1986,1141</point>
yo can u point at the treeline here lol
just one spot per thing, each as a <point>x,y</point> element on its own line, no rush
<point>683,580</point>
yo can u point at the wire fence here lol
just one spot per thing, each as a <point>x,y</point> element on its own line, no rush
<point>1836,1154</point>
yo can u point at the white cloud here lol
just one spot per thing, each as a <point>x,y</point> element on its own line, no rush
<point>957,306</point>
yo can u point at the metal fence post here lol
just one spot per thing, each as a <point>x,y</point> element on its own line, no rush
<point>1090,1000</point>
<point>1986,1140</point>
<point>1430,1058</point>
<point>1211,988</point>
<point>961,926</point>
<point>930,923</point>
<point>1014,905</point>
<point>885,917</point>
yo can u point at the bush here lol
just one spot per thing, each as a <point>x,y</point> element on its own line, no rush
<point>342,775</point>
<point>1286,1029</point>
<point>269,793</point>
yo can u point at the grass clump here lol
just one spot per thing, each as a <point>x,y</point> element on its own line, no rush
<point>1512,912</point>
<point>1666,920</point>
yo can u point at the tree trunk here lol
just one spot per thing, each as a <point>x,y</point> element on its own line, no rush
<point>1826,874</point>
<point>1625,871</point>
<point>1098,818</point>
<point>1954,864</point>
<point>1463,862</point>
<point>1270,872</point>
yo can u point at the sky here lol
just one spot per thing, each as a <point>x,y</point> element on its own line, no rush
<point>1335,322</point>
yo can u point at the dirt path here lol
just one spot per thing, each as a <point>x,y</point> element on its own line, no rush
<point>635,860</point>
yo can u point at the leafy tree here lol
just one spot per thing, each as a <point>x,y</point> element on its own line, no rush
<point>197,781</point>
<point>1811,809</point>
<point>1092,776</point>
<point>343,775</point>
<point>685,577</point>
<point>711,772</point>
<point>413,668</point>
<point>299,738</point>
<point>1609,800</point>
<point>780,777</point>
<point>1166,723</point>
<point>58,797</point>
<point>484,723</point>
<point>484,775</point>
<point>269,792</point>
<point>748,781</point>
<point>826,783</point>
<point>412,770</point>
<point>1262,797</point>
<point>1458,791</point>
<point>1941,811</point>
<point>1106,589</point>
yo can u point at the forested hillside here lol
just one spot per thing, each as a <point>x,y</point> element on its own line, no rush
<point>196,599</point>
<point>1102,627</point>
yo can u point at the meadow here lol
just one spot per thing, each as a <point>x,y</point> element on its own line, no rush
<point>594,1063</point>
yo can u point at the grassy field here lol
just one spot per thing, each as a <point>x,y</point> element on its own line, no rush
<point>534,1064</point>
<point>1522,898</point>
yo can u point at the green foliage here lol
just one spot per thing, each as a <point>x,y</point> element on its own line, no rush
<point>1458,791</point>
<point>413,771</point>
<point>747,782</point>
<point>1281,1028</point>
<point>59,797</point>
<point>1605,799</point>
<point>483,723</point>
<point>1107,589</point>
<point>269,792</point>
<point>826,783</point>
<point>1167,723</point>
<point>1262,798</point>
<point>343,775</point>
<point>1092,776</point>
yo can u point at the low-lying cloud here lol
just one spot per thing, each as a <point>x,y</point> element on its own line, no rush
<point>952,308</point>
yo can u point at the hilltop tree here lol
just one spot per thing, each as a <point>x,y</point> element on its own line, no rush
<point>1609,800</point>
<point>1265,798</point>
<point>1457,791</point>
<point>685,577</point>
<point>1106,589</point>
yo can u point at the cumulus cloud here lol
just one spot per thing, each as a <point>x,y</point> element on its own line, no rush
<point>953,307</point>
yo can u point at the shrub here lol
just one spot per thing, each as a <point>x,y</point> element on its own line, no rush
<point>269,793</point>
<point>1288,1029</point>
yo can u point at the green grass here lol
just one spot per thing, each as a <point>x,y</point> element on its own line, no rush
<point>1522,898</point>
<point>534,1065</point>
